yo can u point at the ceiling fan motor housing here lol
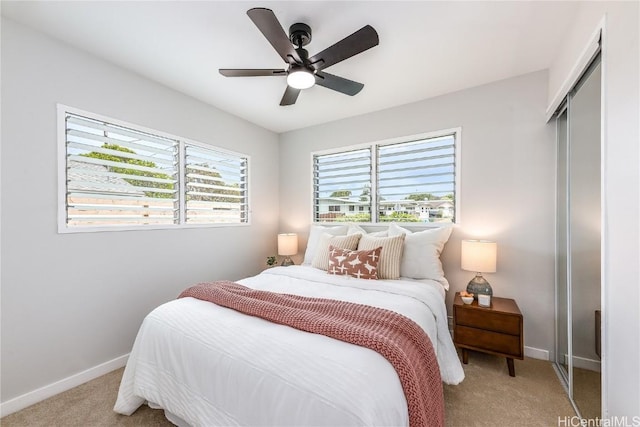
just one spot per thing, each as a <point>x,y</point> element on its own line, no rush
<point>300,34</point>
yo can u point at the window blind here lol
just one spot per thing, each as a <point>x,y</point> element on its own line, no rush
<point>341,182</point>
<point>409,181</point>
<point>216,186</point>
<point>417,179</point>
<point>118,176</point>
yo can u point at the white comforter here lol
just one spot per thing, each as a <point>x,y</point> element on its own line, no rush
<point>210,365</point>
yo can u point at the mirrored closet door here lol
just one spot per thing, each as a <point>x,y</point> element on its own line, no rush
<point>562,297</point>
<point>578,243</point>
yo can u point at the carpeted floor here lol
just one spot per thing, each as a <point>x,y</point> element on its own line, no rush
<point>487,397</point>
<point>490,397</point>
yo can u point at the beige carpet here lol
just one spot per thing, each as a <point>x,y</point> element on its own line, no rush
<point>487,397</point>
<point>490,397</point>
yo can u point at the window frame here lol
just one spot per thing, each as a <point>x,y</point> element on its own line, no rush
<point>64,228</point>
<point>455,132</point>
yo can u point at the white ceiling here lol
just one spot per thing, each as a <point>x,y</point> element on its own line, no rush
<point>426,48</point>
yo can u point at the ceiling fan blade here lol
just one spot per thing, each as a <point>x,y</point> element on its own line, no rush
<point>270,27</point>
<point>363,39</point>
<point>339,84</point>
<point>230,72</point>
<point>290,96</point>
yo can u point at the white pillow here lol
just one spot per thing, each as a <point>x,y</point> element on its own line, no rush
<point>321,259</point>
<point>315,231</point>
<point>355,229</point>
<point>421,255</point>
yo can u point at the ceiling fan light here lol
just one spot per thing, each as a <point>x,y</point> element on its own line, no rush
<point>301,79</point>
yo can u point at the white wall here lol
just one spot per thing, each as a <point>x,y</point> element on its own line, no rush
<point>621,184</point>
<point>507,183</point>
<point>73,301</point>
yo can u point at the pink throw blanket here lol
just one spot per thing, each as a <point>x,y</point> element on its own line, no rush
<point>400,340</point>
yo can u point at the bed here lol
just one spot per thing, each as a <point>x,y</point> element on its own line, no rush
<point>208,365</point>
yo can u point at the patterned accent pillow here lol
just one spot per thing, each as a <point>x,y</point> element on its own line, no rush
<point>390,256</point>
<point>321,258</point>
<point>359,264</point>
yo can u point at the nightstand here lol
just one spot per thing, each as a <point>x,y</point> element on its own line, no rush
<point>494,330</point>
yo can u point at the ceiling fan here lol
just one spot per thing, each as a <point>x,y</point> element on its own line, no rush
<point>302,71</point>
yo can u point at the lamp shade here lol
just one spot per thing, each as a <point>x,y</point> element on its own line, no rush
<point>479,256</point>
<point>287,244</point>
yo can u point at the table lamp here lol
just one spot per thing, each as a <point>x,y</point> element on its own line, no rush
<point>479,256</point>
<point>287,246</point>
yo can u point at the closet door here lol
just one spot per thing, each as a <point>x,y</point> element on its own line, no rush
<point>584,121</point>
<point>562,231</point>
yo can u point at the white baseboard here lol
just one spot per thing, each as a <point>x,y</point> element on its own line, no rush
<point>38,395</point>
<point>536,353</point>
<point>584,363</point>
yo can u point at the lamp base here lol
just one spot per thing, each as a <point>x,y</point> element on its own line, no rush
<point>478,285</point>
<point>286,262</point>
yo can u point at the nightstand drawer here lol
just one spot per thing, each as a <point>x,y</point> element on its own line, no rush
<point>489,320</point>
<point>487,340</point>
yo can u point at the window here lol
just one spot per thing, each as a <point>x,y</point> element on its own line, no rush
<point>216,186</point>
<point>116,176</point>
<point>408,180</point>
